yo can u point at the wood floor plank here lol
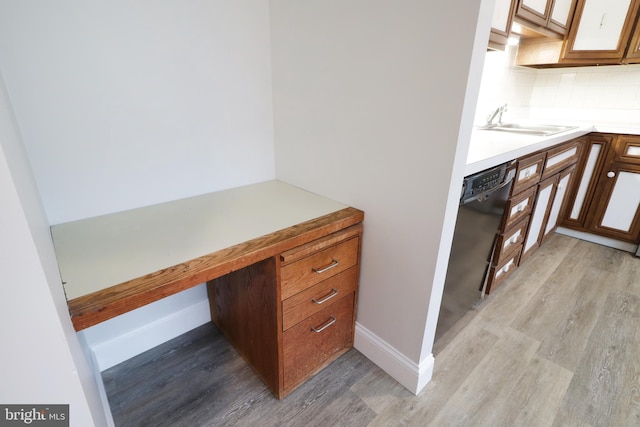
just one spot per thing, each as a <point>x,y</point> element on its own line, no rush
<point>569,330</point>
<point>599,378</point>
<point>480,395</point>
<point>536,397</point>
<point>504,304</point>
<point>454,364</point>
<point>379,391</point>
<point>567,418</point>
<point>628,410</point>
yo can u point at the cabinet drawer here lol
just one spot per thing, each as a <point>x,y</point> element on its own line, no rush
<point>627,149</point>
<point>498,274</point>
<point>519,207</point>
<point>510,241</point>
<point>528,173</point>
<point>317,297</point>
<point>560,157</point>
<point>303,274</point>
<point>318,340</point>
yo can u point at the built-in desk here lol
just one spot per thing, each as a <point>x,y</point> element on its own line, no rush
<point>281,264</point>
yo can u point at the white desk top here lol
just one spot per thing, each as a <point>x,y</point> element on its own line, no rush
<point>96,253</point>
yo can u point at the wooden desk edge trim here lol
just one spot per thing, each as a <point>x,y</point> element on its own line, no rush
<point>91,309</point>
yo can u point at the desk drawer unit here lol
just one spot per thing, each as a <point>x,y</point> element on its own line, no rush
<point>319,283</point>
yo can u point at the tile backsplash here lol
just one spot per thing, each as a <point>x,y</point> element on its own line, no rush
<point>595,94</point>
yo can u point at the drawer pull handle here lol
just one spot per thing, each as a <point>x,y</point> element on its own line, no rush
<point>325,325</point>
<point>331,294</point>
<point>320,270</point>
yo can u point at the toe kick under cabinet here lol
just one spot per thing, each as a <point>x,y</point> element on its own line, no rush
<point>291,315</point>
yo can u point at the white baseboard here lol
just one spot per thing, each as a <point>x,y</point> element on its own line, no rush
<point>600,240</point>
<point>126,346</point>
<point>414,377</point>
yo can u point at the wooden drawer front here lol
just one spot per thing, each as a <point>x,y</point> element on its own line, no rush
<point>528,173</point>
<point>302,274</point>
<point>318,340</point>
<point>519,207</point>
<point>498,274</point>
<point>627,149</point>
<point>317,297</point>
<point>510,241</point>
<point>561,157</point>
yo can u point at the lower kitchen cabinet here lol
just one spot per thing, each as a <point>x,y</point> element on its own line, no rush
<point>607,200</point>
<point>539,216</point>
<point>565,179</point>
<point>617,213</point>
<point>537,200</point>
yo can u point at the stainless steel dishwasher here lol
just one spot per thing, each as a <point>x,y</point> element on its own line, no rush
<point>482,204</point>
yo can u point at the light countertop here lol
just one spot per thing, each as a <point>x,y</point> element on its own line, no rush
<point>490,148</point>
<point>96,253</point>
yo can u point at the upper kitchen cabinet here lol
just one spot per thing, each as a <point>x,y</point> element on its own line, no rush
<point>501,24</point>
<point>549,17</point>
<point>601,32</point>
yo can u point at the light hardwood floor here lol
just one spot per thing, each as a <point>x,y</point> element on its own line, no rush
<point>556,345</point>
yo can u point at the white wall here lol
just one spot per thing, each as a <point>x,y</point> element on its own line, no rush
<point>369,97</point>
<point>41,359</point>
<point>128,103</point>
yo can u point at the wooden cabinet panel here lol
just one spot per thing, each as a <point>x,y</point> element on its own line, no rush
<point>497,274</point>
<point>600,32</point>
<point>561,16</point>
<point>510,241</point>
<point>560,157</point>
<point>606,200</point>
<point>627,149</point>
<point>564,183</point>
<point>317,341</point>
<point>617,212</point>
<point>244,307</point>
<point>550,17</point>
<point>501,24</point>
<point>633,53</point>
<point>315,298</point>
<point>529,172</point>
<point>579,196</point>
<point>519,207</point>
<point>546,191</point>
<point>300,275</point>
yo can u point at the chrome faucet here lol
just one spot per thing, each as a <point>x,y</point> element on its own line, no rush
<point>497,112</point>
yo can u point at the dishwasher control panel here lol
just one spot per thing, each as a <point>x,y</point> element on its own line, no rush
<point>476,185</point>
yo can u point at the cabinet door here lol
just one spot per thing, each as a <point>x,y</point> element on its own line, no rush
<point>561,16</point>
<point>564,183</point>
<point>633,54</point>
<point>617,213</point>
<point>601,31</point>
<point>627,149</point>
<point>590,165</point>
<point>546,191</point>
<point>535,11</point>
<point>501,24</point>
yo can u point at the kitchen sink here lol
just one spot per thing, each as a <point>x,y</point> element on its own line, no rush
<point>530,129</point>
